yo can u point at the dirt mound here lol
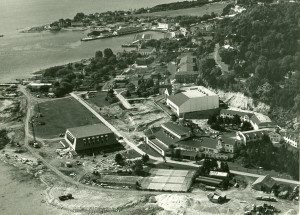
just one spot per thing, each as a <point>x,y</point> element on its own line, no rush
<point>176,203</point>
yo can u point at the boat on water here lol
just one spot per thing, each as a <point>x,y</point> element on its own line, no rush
<point>120,32</point>
<point>1,35</point>
<point>129,45</point>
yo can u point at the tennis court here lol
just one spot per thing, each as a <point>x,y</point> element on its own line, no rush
<point>169,180</point>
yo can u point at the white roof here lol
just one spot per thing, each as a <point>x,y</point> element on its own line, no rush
<point>263,118</point>
<point>201,89</point>
<point>193,94</point>
<point>39,84</point>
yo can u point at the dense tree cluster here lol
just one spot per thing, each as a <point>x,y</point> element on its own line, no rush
<point>146,87</point>
<point>173,6</point>
<point>210,164</point>
<point>4,140</point>
<point>262,52</point>
<point>264,154</point>
<point>219,123</point>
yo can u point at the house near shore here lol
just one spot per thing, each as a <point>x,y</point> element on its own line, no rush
<point>34,86</point>
<point>77,24</point>
<point>90,138</point>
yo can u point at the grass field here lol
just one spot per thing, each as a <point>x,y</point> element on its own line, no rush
<point>196,11</point>
<point>99,99</point>
<point>61,114</point>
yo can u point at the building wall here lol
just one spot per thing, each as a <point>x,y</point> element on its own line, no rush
<point>92,142</point>
<point>173,106</point>
<point>254,125</point>
<point>291,142</point>
<point>199,103</point>
<point>154,146</point>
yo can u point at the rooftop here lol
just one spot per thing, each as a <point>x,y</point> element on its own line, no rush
<point>262,120</point>
<point>193,94</point>
<point>89,130</point>
<point>267,180</point>
<point>178,99</point>
<point>236,112</point>
<point>178,129</point>
<point>206,142</point>
<point>199,88</point>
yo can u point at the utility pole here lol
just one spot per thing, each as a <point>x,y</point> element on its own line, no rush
<point>39,110</point>
<point>33,131</point>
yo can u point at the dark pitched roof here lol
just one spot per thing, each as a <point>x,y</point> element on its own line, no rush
<point>89,130</point>
<point>254,133</point>
<point>262,120</point>
<point>178,129</point>
<point>160,135</point>
<point>186,73</point>
<point>266,180</point>
<point>178,99</point>
<point>229,140</point>
<point>206,142</point>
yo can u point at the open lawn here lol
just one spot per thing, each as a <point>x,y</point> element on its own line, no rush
<point>99,99</point>
<point>196,11</point>
<point>60,114</point>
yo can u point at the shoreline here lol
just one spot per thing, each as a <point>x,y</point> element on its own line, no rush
<point>68,49</point>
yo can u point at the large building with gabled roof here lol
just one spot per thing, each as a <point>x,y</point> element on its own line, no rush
<point>172,136</point>
<point>193,99</point>
<point>90,137</point>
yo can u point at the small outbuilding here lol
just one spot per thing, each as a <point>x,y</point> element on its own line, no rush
<point>264,183</point>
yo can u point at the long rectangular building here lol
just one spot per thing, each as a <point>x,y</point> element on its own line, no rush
<point>90,137</point>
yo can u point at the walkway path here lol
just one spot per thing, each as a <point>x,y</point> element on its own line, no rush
<point>223,66</point>
<point>257,175</point>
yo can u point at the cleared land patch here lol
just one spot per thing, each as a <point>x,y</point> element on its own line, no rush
<point>99,99</point>
<point>195,11</point>
<point>60,114</point>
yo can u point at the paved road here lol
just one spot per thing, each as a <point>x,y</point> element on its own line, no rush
<point>257,175</point>
<point>110,126</point>
<point>124,101</point>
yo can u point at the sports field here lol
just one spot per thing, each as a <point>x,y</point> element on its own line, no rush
<point>196,11</point>
<point>60,114</point>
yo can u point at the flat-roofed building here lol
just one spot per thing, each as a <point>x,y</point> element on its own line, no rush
<point>217,174</point>
<point>193,99</point>
<point>90,137</point>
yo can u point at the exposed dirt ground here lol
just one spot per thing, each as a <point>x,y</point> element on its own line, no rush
<point>134,122</point>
